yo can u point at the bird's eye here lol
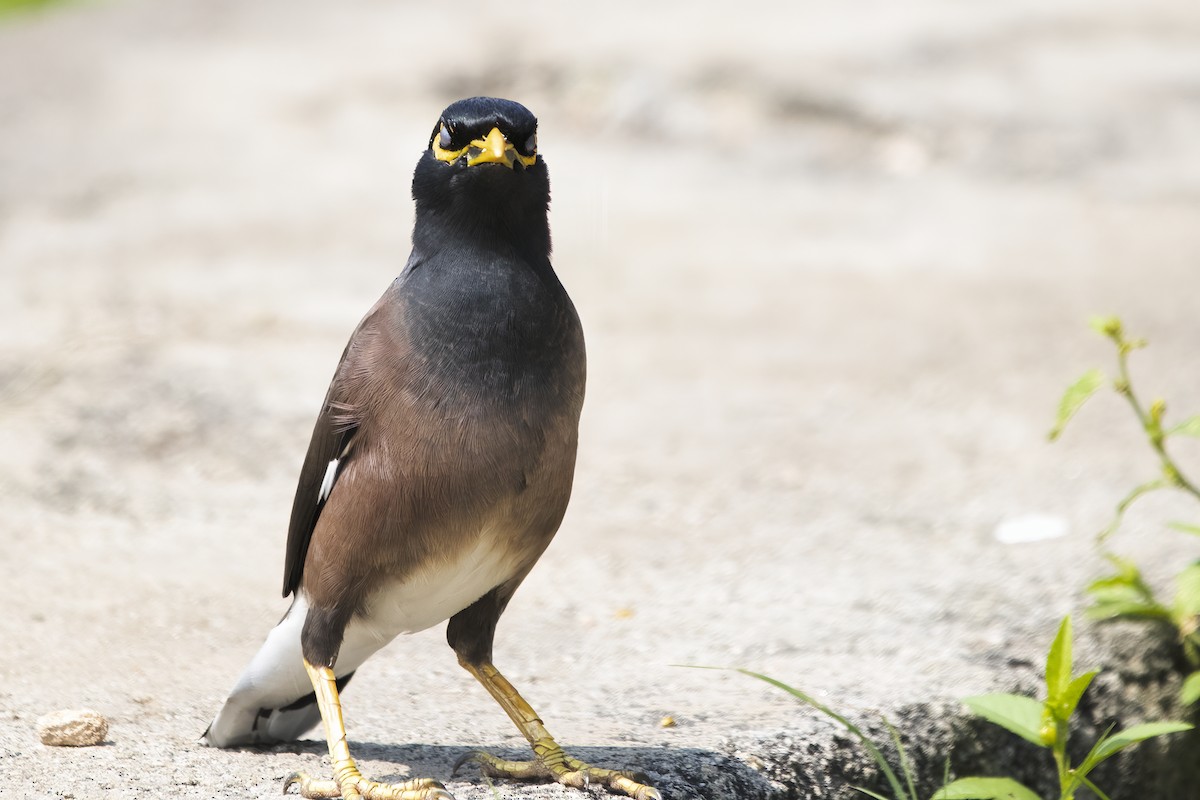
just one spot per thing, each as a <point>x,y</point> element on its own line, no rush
<point>531,144</point>
<point>444,138</point>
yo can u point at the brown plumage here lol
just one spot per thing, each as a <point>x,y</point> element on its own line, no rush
<point>442,459</point>
<point>437,443</point>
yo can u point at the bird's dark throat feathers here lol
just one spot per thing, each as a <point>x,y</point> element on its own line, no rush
<point>481,263</point>
<point>486,207</point>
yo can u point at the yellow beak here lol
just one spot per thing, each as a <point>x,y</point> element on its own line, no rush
<point>491,150</point>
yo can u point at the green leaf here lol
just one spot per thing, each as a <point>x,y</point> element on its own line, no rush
<point>1073,399</point>
<point>1108,746</point>
<point>1120,587</point>
<point>1013,712</point>
<point>985,789</point>
<point>1058,664</point>
<point>1138,733</point>
<point>1117,587</point>
<point>1113,609</point>
<point>1187,593</point>
<point>1116,596</point>
<point>1125,594</point>
<point>1127,569</point>
<point>1185,527</point>
<point>1113,586</point>
<point>1070,699</point>
<point>1189,427</point>
<point>1190,692</point>
<point>869,793</point>
<point>1127,575</point>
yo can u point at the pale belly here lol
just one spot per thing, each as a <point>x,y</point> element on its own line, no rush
<point>428,597</point>
<point>276,677</point>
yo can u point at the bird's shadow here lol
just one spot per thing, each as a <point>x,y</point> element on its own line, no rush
<point>679,773</point>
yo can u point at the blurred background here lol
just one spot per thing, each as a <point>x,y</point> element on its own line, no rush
<point>834,261</point>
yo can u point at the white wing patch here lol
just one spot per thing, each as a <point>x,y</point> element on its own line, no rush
<point>327,482</point>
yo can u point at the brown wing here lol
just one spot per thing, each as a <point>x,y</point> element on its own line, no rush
<point>329,451</point>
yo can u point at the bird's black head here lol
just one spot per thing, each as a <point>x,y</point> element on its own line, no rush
<point>482,174</point>
<point>486,130</point>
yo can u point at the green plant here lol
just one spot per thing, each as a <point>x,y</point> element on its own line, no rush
<point>12,6</point>
<point>1125,593</point>
<point>1047,724</point>
<point>900,791</point>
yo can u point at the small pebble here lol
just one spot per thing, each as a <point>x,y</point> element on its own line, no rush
<point>78,727</point>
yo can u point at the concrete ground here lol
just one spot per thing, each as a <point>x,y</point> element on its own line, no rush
<point>834,261</point>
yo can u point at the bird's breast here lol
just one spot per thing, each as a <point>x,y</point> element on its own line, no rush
<point>439,589</point>
<point>486,313</point>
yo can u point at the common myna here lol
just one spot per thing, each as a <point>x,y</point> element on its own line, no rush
<point>441,462</point>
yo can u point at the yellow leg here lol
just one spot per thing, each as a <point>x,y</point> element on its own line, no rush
<point>551,762</point>
<point>348,783</point>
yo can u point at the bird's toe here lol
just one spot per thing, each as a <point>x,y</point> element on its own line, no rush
<point>495,767</point>
<point>356,787</point>
<point>310,787</point>
<point>556,765</point>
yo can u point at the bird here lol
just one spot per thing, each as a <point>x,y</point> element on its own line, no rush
<point>440,465</point>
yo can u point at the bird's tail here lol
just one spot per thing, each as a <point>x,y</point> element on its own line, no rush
<point>273,701</point>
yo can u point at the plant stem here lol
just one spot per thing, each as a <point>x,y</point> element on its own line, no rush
<point>1127,501</point>
<point>1060,761</point>
<point>1152,426</point>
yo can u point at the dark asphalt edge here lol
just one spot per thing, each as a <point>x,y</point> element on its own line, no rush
<point>817,758</point>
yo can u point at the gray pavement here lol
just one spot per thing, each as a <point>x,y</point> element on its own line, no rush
<point>834,261</point>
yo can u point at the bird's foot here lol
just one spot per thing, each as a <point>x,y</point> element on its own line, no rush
<point>351,785</point>
<point>554,764</point>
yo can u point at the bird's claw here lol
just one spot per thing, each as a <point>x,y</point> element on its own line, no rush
<point>567,771</point>
<point>469,757</point>
<point>311,788</point>
<point>357,787</point>
<point>494,767</point>
<point>465,758</point>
